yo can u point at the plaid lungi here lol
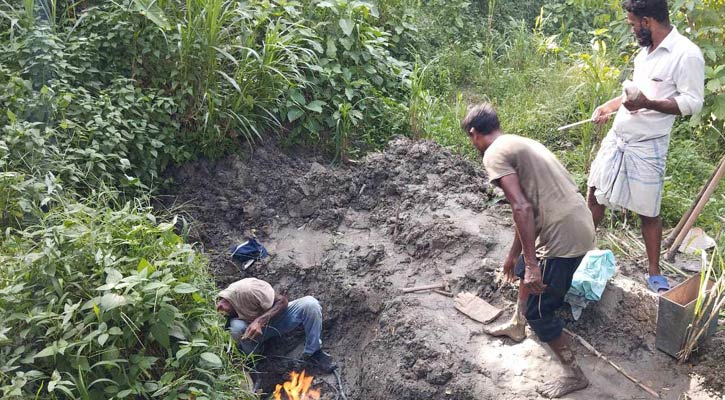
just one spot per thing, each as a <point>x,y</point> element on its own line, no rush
<point>630,172</point>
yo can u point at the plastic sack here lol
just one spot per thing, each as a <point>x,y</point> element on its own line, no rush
<point>590,279</point>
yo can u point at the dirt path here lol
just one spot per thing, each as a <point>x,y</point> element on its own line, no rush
<point>354,236</point>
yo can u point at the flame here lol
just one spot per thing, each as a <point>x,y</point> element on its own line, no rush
<point>297,388</point>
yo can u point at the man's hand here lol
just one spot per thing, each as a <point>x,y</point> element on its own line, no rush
<point>253,331</point>
<point>637,103</point>
<point>508,269</point>
<point>532,279</point>
<point>601,114</point>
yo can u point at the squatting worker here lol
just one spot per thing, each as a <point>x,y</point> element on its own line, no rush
<point>551,218</point>
<point>629,169</point>
<point>256,313</point>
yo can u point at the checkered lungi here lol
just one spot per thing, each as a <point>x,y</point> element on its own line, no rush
<point>629,172</point>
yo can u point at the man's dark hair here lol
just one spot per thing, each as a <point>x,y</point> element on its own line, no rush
<point>656,9</point>
<point>483,117</point>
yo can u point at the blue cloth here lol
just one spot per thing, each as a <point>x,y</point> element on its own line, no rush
<point>249,250</point>
<point>591,277</point>
<point>305,311</point>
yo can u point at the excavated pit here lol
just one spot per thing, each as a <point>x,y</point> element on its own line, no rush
<point>353,236</point>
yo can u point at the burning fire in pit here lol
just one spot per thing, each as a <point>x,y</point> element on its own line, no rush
<point>297,388</point>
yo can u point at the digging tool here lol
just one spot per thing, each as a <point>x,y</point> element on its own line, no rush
<point>476,308</point>
<point>670,256</point>
<point>565,127</point>
<point>673,235</point>
<point>440,285</point>
<point>615,366</point>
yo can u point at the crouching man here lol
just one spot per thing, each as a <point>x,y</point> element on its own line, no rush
<point>256,313</point>
<point>552,219</point>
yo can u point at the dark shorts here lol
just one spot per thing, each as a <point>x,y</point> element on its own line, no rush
<point>557,274</point>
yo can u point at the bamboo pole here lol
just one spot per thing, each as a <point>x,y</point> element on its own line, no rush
<point>670,256</point>
<point>615,366</point>
<point>673,235</point>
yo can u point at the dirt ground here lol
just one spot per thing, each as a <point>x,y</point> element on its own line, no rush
<point>353,236</point>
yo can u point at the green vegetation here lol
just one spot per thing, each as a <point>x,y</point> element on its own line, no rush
<point>99,295</point>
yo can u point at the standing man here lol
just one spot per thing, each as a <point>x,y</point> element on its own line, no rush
<point>629,169</point>
<point>256,313</point>
<point>551,218</point>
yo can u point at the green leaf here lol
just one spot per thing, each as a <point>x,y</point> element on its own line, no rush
<point>331,48</point>
<point>347,26</point>
<point>316,106</point>
<point>48,351</point>
<point>212,359</point>
<point>718,106</point>
<point>714,85</point>
<point>115,331</point>
<point>298,97</point>
<point>161,334</point>
<point>185,288</point>
<point>152,12</point>
<point>144,264</point>
<point>182,352</point>
<point>114,276</point>
<point>109,301</point>
<point>294,113</point>
<point>102,338</point>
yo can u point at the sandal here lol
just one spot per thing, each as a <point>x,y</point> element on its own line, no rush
<point>658,284</point>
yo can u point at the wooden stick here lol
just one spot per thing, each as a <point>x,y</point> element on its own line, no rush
<point>561,128</point>
<point>670,256</point>
<point>443,292</point>
<point>424,287</point>
<point>673,235</point>
<point>615,366</point>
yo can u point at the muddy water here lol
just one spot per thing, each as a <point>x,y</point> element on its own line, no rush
<point>354,236</point>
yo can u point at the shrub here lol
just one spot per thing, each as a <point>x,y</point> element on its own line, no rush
<point>108,304</point>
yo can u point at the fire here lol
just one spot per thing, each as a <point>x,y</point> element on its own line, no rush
<point>297,388</point>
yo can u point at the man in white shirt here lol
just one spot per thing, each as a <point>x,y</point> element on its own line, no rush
<point>628,171</point>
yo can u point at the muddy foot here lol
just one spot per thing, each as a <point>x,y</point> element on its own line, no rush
<point>513,329</point>
<point>562,386</point>
<point>476,308</point>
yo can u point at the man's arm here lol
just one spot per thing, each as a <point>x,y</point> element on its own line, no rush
<point>524,218</point>
<point>510,261</point>
<point>255,328</point>
<point>601,113</point>
<point>667,106</point>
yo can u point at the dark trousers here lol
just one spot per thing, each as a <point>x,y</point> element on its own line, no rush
<point>557,274</point>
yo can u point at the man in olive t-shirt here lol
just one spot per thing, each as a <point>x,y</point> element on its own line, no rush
<point>256,313</point>
<point>552,219</point>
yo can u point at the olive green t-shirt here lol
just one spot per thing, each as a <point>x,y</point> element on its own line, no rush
<point>564,226</point>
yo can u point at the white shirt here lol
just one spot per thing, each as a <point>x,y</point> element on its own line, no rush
<point>675,69</point>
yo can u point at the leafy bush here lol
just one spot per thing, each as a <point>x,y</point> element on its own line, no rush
<point>108,304</point>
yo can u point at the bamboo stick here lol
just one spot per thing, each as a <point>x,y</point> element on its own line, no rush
<point>676,231</point>
<point>670,256</point>
<point>615,366</point>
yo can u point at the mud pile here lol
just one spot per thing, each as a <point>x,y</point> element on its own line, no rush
<point>353,236</point>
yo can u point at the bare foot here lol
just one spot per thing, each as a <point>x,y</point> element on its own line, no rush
<point>476,308</point>
<point>563,386</point>
<point>513,329</point>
